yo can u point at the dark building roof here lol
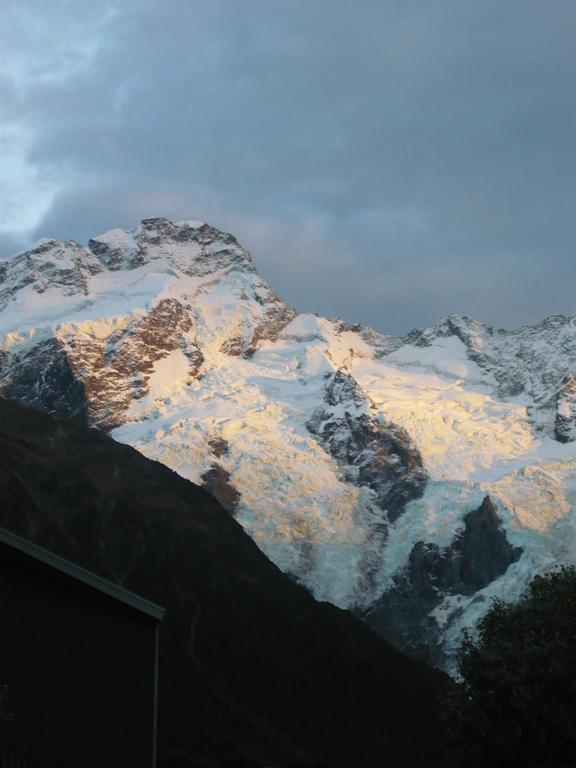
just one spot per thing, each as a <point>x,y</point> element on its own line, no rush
<point>81,574</point>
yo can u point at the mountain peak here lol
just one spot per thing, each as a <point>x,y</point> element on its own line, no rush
<point>193,247</point>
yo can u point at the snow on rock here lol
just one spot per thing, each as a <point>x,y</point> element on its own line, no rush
<point>565,420</point>
<point>352,457</point>
<point>437,581</point>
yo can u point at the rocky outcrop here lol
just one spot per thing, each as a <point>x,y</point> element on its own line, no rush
<point>369,452</point>
<point>275,318</point>
<point>253,671</point>
<point>96,379</point>
<point>479,554</point>
<point>48,264</point>
<point>195,248</point>
<point>533,360</point>
<point>43,377</point>
<point>216,481</point>
<point>481,550</point>
<point>341,389</point>
<point>565,419</point>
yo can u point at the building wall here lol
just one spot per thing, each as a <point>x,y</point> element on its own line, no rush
<point>80,671</point>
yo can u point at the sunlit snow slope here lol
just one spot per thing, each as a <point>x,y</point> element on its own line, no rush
<point>358,462</point>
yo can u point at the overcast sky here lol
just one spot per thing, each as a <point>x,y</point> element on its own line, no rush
<point>384,161</point>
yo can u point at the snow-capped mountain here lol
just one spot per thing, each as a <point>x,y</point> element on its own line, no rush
<point>360,463</point>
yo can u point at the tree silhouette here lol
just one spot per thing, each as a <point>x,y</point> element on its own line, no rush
<point>516,704</point>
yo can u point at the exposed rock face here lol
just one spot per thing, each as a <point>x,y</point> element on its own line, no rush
<point>157,238</point>
<point>251,666</point>
<point>565,421</point>
<point>216,481</point>
<point>342,390</point>
<point>95,379</point>
<point>478,555</point>
<point>370,453</point>
<point>482,549</point>
<point>96,376</point>
<point>47,265</point>
<point>43,377</point>
<point>276,317</point>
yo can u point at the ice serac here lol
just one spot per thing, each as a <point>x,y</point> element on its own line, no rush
<point>350,456</point>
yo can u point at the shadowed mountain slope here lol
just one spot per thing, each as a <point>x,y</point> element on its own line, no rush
<point>251,665</point>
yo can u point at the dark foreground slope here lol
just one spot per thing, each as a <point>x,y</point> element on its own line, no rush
<point>251,665</point>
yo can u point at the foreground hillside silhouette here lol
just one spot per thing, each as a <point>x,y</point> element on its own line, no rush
<point>251,666</point>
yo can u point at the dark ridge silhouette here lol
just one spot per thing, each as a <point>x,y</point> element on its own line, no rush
<point>254,671</point>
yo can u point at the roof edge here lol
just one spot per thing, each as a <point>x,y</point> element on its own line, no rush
<point>82,574</point>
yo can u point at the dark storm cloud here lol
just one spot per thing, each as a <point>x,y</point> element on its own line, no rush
<point>386,161</point>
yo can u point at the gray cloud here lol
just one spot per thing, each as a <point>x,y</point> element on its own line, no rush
<point>389,162</point>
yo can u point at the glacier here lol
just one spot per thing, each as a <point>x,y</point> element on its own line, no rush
<point>345,447</point>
